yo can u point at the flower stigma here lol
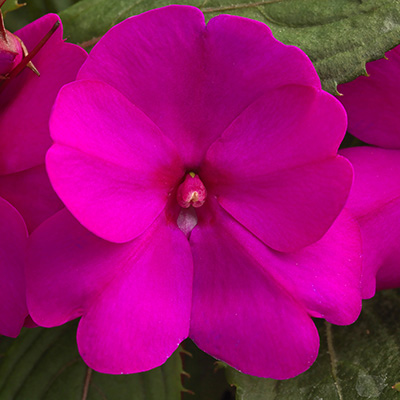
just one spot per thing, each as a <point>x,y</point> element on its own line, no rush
<point>191,192</point>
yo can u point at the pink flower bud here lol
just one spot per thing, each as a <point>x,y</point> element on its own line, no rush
<point>191,192</point>
<point>11,52</point>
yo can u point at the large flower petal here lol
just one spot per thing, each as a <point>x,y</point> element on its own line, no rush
<point>175,71</point>
<point>68,267</point>
<point>114,177</point>
<point>13,240</point>
<point>325,276</point>
<point>241,313</point>
<point>286,128</point>
<point>274,169</point>
<point>372,102</point>
<point>375,202</point>
<point>288,209</point>
<point>31,194</point>
<point>139,320</point>
<point>26,103</point>
<point>135,297</point>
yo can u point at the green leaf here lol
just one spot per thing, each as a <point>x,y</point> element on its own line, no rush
<point>339,36</point>
<point>34,9</point>
<point>44,364</point>
<point>205,379</point>
<point>10,5</point>
<point>355,362</point>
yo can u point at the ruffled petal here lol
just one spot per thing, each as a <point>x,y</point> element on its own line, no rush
<point>31,194</point>
<point>27,101</point>
<point>241,314</point>
<point>13,239</point>
<point>174,68</point>
<point>375,202</point>
<point>135,298</point>
<point>372,102</point>
<point>115,178</point>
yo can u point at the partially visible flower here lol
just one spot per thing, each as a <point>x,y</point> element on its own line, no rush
<point>373,102</point>
<point>375,203</point>
<point>11,51</point>
<point>204,158</point>
<point>25,105</point>
<point>13,237</point>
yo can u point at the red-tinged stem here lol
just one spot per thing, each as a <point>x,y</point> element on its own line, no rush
<point>29,57</point>
<point>2,3</point>
<point>2,27</point>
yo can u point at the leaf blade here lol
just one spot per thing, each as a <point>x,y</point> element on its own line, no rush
<point>44,364</point>
<point>339,36</point>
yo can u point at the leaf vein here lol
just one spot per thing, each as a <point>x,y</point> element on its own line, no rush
<point>332,354</point>
<point>238,6</point>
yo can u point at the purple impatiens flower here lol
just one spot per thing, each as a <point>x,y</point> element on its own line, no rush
<point>202,159</point>
<point>25,107</point>
<point>27,198</point>
<point>373,104</point>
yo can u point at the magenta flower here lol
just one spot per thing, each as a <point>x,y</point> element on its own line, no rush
<point>25,106</point>
<point>13,310</point>
<point>11,51</point>
<point>204,158</point>
<point>372,102</point>
<point>26,103</point>
<point>375,203</point>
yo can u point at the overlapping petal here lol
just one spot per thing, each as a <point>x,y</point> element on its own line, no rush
<point>30,192</point>
<point>275,168</point>
<point>325,276</point>
<point>135,298</point>
<point>114,177</point>
<point>240,313</point>
<point>27,101</point>
<point>375,202</point>
<point>372,102</point>
<point>175,70</point>
<point>13,241</point>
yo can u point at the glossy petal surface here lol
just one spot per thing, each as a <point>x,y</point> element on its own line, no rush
<point>27,101</point>
<point>114,177</point>
<point>13,240</point>
<point>375,202</point>
<point>175,71</point>
<point>135,297</point>
<point>241,313</point>
<point>372,103</point>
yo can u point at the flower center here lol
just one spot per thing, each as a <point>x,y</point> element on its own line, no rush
<point>191,192</point>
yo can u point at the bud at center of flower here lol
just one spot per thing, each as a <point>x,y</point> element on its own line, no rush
<point>191,192</point>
